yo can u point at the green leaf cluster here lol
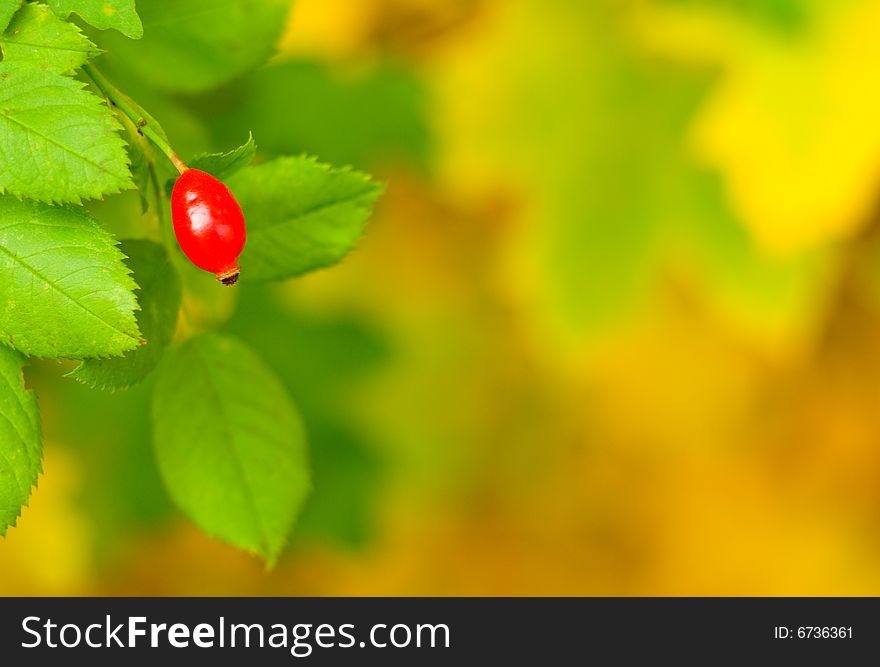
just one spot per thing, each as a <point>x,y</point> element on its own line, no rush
<point>65,289</point>
<point>228,438</point>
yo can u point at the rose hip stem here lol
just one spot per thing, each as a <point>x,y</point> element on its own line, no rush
<point>124,104</point>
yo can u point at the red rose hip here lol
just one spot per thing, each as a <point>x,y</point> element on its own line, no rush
<point>208,223</point>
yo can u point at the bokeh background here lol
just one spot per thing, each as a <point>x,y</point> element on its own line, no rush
<point>614,330</point>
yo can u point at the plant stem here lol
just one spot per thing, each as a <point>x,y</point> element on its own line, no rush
<point>128,107</point>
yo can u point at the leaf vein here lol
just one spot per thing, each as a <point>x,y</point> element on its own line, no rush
<point>35,273</point>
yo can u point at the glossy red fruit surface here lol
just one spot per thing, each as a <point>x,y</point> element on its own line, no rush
<point>208,223</point>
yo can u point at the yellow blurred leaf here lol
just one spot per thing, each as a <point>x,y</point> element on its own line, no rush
<point>792,123</point>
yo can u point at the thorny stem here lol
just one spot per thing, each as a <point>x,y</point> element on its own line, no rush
<point>122,102</point>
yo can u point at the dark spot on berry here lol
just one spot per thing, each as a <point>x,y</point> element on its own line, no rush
<point>231,279</point>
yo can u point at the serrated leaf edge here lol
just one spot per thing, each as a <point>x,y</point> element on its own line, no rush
<point>135,35</point>
<point>33,487</point>
<point>116,130</point>
<point>92,52</point>
<point>132,286</point>
<point>377,190</point>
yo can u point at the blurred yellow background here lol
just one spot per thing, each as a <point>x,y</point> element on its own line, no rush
<point>614,330</point>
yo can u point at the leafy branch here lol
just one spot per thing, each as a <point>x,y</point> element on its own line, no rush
<point>228,438</point>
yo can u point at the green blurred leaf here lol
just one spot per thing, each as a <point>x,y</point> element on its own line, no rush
<point>621,198</point>
<point>110,437</point>
<point>103,14</point>
<point>597,164</point>
<point>60,143</point>
<point>221,165</point>
<point>301,347</point>
<point>783,15</point>
<point>347,475</point>
<point>159,301</point>
<point>305,107</point>
<point>230,443</point>
<point>7,10</point>
<point>38,38</point>
<point>20,440</point>
<point>65,291</point>
<point>301,215</point>
<point>606,215</point>
<point>199,44</point>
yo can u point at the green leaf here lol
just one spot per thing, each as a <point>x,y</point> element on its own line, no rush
<point>224,165</point>
<point>196,45</point>
<point>230,443</point>
<point>307,107</point>
<point>301,215</point>
<point>20,439</point>
<point>64,289</point>
<point>7,10</point>
<point>38,38</point>
<point>60,143</point>
<point>159,300</point>
<point>221,165</point>
<point>103,14</point>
